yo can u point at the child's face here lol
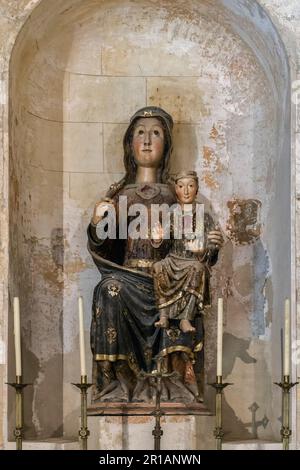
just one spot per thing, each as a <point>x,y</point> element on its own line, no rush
<point>186,190</point>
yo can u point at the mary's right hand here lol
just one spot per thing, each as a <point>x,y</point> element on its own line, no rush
<point>100,208</point>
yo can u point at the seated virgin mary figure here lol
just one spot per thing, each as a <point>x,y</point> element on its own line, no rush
<point>124,340</point>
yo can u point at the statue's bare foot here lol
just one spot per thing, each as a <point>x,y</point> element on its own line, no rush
<point>186,326</point>
<point>162,323</point>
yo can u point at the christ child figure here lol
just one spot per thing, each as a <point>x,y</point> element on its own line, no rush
<point>181,279</point>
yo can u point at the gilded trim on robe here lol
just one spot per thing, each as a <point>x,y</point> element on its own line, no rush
<point>198,347</point>
<point>194,292</point>
<point>111,357</point>
<point>170,302</point>
<point>171,349</point>
<point>139,263</point>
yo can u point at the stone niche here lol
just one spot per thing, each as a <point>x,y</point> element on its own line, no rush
<point>78,71</point>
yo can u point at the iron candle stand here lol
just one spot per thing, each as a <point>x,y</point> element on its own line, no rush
<point>218,432</point>
<point>83,432</point>
<point>18,431</point>
<point>286,385</point>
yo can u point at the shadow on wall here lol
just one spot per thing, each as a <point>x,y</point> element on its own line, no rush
<point>235,347</point>
<point>235,429</point>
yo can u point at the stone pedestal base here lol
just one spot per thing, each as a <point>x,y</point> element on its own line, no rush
<point>253,445</point>
<point>135,432</point>
<point>49,444</point>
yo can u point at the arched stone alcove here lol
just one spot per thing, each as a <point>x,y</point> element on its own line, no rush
<point>79,69</point>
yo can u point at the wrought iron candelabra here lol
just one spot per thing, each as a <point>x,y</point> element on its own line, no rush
<point>18,431</point>
<point>158,375</point>
<point>286,385</point>
<point>157,413</point>
<point>218,432</point>
<point>83,432</point>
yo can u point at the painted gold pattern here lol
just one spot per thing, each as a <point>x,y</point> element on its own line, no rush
<point>148,354</point>
<point>173,334</point>
<point>98,312</point>
<point>113,290</point>
<point>111,334</point>
<point>132,362</point>
<point>198,347</point>
<point>111,357</point>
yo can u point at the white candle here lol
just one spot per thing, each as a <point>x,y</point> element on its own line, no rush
<point>81,337</point>
<point>220,337</point>
<point>287,338</point>
<point>17,334</point>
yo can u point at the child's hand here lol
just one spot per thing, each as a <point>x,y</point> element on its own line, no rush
<point>157,233</point>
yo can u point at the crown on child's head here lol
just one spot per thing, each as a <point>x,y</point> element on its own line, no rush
<point>185,174</point>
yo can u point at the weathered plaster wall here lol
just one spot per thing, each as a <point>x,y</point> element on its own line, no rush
<point>82,73</point>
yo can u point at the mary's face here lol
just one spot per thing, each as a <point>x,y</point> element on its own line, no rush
<point>148,142</point>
